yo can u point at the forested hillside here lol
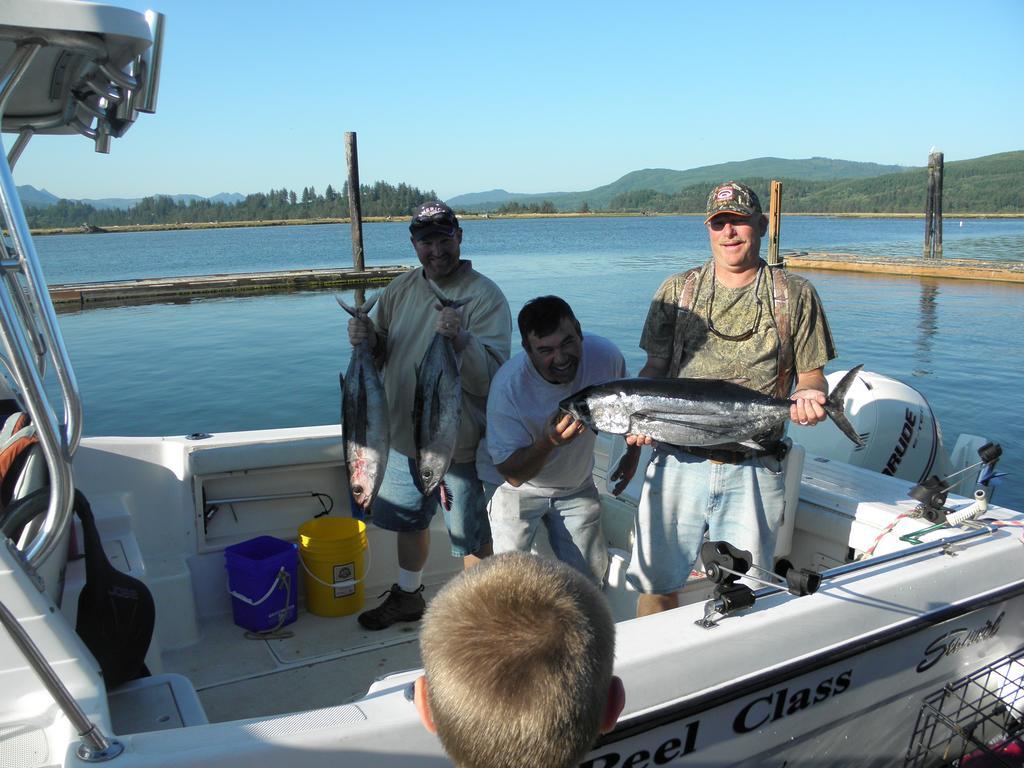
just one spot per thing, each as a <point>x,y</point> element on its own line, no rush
<point>992,184</point>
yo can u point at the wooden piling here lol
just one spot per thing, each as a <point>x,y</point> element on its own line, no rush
<point>355,209</point>
<point>933,208</point>
<point>774,222</point>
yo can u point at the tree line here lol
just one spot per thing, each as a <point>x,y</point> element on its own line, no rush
<point>993,184</point>
<point>379,199</point>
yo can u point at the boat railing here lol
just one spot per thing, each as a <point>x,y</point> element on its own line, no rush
<point>101,84</point>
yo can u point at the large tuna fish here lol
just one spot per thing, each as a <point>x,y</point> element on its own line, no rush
<point>437,409</point>
<point>364,419</point>
<point>693,412</point>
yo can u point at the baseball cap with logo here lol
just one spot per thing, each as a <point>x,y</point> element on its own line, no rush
<point>433,218</point>
<point>732,197</point>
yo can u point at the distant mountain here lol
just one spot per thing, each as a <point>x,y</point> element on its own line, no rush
<point>40,198</point>
<point>670,182</point>
<point>491,196</point>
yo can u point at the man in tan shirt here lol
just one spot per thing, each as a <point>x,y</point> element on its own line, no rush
<point>402,325</point>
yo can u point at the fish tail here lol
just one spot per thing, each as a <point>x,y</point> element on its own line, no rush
<point>444,300</point>
<point>351,310</point>
<point>360,311</point>
<point>835,409</point>
<point>445,494</point>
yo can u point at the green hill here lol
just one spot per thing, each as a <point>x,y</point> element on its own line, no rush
<point>670,182</point>
<point>991,184</point>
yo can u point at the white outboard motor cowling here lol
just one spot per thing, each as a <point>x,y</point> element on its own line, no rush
<point>902,434</point>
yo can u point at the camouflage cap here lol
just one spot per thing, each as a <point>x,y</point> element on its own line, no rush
<point>733,197</point>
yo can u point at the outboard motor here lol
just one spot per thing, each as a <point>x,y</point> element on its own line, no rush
<point>902,434</point>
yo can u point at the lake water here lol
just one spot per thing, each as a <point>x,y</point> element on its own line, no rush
<point>273,361</point>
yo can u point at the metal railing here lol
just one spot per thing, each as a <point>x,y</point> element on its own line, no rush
<point>95,746</point>
<point>103,104</point>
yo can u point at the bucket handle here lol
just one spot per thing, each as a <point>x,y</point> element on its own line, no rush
<point>341,584</point>
<point>282,576</point>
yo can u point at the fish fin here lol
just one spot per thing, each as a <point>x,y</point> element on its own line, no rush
<point>644,423</point>
<point>695,420</point>
<point>752,445</point>
<point>445,495</point>
<point>834,406</point>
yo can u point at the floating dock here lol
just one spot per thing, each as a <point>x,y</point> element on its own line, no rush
<point>70,296</point>
<point>956,269</point>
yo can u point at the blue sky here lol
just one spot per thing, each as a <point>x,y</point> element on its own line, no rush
<point>540,97</point>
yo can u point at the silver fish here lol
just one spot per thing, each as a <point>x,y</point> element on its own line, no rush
<point>365,426</point>
<point>437,408</point>
<point>694,412</point>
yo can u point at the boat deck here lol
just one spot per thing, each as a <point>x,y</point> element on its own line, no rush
<point>326,662</point>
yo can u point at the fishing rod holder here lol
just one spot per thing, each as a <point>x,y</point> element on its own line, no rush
<point>212,506</point>
<point>724,565</point>
<point>931,494</point>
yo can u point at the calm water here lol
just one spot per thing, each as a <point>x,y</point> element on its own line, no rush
<point>230,364</point>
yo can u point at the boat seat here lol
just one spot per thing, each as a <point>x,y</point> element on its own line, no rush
<point>155,703</point>
<point>793,466</point>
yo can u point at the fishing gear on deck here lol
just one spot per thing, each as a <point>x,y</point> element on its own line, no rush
<point>932,493</point>
<point>724,564</point>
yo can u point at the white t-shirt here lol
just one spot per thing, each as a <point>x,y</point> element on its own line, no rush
<point>519,406</point>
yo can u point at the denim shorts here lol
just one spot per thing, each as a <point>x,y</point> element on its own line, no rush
<point>400,506</point>
<point>684,496</point>
<point>573,524</point>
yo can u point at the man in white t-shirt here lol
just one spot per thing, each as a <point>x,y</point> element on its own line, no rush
<point>541,459</point>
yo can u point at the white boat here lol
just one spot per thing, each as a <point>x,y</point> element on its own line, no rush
<point>909,651</point>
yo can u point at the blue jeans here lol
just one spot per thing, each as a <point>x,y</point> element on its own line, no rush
<point>400,506</point>
<point>683,496</point>
<point>573,523</point>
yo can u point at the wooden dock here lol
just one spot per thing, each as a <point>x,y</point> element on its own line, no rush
<point>71,296</point>
<point>955,269</point>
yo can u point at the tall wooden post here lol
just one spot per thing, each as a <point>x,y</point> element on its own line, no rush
<point>933,208</point>
<point>355,211</point>
<point>774,222</point>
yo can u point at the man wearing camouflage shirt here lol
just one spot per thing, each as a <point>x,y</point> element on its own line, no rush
<point>720,321</point>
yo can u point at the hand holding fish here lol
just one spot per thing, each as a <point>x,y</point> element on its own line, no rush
<point>563,429</point>
<point>637,440</point>
<point>449,322</point>
<point>808,407</point>
<point>360,329</point>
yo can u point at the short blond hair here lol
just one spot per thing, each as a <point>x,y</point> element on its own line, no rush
<point>518,654</point>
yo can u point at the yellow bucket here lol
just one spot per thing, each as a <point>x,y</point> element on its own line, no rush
<point>332,551</point>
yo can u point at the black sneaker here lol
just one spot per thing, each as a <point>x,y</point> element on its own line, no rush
<point>399,606</point>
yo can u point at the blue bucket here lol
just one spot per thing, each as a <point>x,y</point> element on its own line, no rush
<point>262,581</point>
